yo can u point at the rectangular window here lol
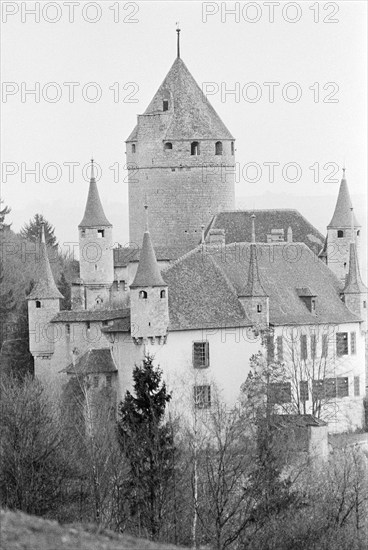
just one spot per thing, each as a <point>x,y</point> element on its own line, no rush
<point>356,386</point>
<point>329,387</point>
<point>303,347</point>
<point>280,392</point>
<point>318,389</point>
<point>342,387</point>
<point>313,346</point>
<point>303,390</point>
<point>280,348</point>
<point>353,343</point>
<point>270,349</point>
<point>202,397</point>
<point>324,345</point>
<point>342,343</point>
<point>201,355</point>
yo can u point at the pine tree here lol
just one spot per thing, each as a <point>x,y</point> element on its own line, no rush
<point>32,230</point>
<point>3,212</point>
<point>147,443</point>
<point>65,290</point>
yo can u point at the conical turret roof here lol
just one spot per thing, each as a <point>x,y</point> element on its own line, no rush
<point>191,114</point>
<point>45,287</point>
<point>354,283</point>
<point>148,272</point>
<point>94,216</point>
<point>342,217</point>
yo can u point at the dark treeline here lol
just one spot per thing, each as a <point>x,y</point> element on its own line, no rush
<point>219,479</point>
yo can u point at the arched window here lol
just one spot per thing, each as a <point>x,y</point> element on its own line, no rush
<point>259,308</point>
<point>194,148</point>
<point>38,304</point>
<point>232,147</point>
<point>340,233</point>
<point>168,146</point>
<point>143,295</point>
<point>162,294</point>
<point>218,148</point>
<point>165,105</point>
<point>133,147</point>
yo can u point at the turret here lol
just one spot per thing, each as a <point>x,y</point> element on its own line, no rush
<point>340,233</point>
<point>181,156</point>
<point>355,291</point>
<point>254,298</point>
<point>43,305</point>
<point>95,249</point>
<point>149,306</point>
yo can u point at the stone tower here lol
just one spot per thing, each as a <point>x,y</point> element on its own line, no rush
<point>254,298</point>
<point>149,305</point>
<point>340,232</point>
<point>180,156</point>
<point>95,250</point>
<point>43,305</point>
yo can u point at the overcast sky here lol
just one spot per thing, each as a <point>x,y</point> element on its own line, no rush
<point>127,54</point>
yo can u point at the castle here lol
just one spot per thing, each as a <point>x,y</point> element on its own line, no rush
<point>207,285</point>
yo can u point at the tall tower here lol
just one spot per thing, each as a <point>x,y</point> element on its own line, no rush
<point>43,305</point>
<point>95,249</point>
<point>181,157</point>
<point>340,232</point>
<point>149,305</point>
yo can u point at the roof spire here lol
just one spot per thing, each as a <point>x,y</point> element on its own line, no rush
<point>254,286</point>
<point>45,287</point>
<point>253,216</point>
<point>354,283</point>
<point>178,39</point>
<point>94,215</point>
<point>342,215</point>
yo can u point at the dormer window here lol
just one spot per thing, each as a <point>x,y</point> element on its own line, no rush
<point>218,148</point>
<point>100,233</point>
<point>168,146</point>
<point>165,105</point>
<point>194,148</point>
<point>307,296</point>
<point>38,304</point>
<point>143,295</point>
<point>163,294</point>
<point>259,308</point>
<point>340,234</point>
<point>133,148</point>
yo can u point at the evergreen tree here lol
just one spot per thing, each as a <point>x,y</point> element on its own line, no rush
<point>3,212</point>
<point>32,230</point>
<point>65,290</point>
<point>147,443</point>
<point>7,306</point>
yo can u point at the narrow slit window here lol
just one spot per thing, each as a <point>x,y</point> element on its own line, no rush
<point>38,304</point>
<point>133,148</point>
<point>194,148</point>
<point>165,105</point>
<point>218,148</point>
<point>259,308</point>
<point>232,147</point>
<point>163,294</point>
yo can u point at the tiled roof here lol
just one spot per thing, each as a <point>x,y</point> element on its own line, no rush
<point>200,296</point>
<point>354,283</point>
<point>94,216</point>
<point>123,256</point>
<point>148,273</point>
<point>90,315</point>
<point>94,361</point>
<point>342,214</point>
<point>45,287</point>
<point>296,420</point>
<point>238,226</point>
<point>191,114</point>
<point>119,325</point>
<point>204,286</point>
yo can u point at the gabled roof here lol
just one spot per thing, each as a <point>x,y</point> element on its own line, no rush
<point>238,226</point>
<point>148,272</point>
<point>200,295</point>
<point>191,116</point>
<point>354,283</point>
<point>45,287</point>
<point>94,216</point>
<point>85,315</point>
<point>342,215</point>
<point>94,361</point>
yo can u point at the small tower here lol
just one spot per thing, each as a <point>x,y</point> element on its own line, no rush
<point>254,298</point>
<point>355,291</point>
<point>340,232</point>
<point>43,305</point>
<point>149,306</point>
<point>95,250</point>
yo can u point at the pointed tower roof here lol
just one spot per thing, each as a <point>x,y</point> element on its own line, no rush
<point>45,287</point>
<point>94,216</point>
<point>354,283</point>
<point>148,272</point>
<point>254,286</point>
<point>191,114</point>
<point>341,216</point>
